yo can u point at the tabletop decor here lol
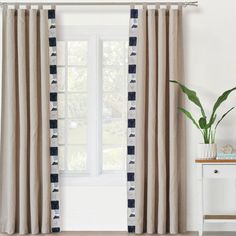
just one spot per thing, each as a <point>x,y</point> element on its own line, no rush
<point>227,149</point>
<point>207,126</point>
<point>226,152</point>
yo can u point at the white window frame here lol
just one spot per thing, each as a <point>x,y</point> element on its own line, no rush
<point>94,175</point>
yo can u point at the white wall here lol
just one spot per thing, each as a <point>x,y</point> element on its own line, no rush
<point>89,206</point>
<point>210,59</point>
<point>210,68</point>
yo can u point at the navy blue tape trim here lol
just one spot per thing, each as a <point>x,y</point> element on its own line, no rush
<point>51,14</point>
<point>130,176</point>
<point>131,203</point>
<point>131,96</point>
<point>53,97</point>
<point>53,151</point>
<point>134,13</point>
<point>132,41</point>
<point>131,123</point>
<point>53,124</point>
<point>54,178</point>
<point>131,150</point>
<point>54,205</point>
<point>132,69</point>
<point>52,42</point>
<point>56,229</point>
<point>131,229</point>
<point>53,69</point>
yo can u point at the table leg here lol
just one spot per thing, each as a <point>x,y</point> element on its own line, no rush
<point>200,201</point>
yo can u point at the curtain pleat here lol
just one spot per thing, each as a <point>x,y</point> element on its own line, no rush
<point>9,128</point>
<point>173,122</point>
<point>151,123</point>
<point>181,135</point>
<point>23,119</point>
<point>34,101</point>
<point>25,192</point>
<point>159,182</point>
<point>45,139</point>
<point>141,123</point>
<point>162,113</point>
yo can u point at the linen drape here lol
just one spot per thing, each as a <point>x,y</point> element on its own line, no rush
<point>157,204</point>
<point>28,162</point>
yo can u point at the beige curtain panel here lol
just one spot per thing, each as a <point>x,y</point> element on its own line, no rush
<point>160,162</point>
<point>25,147</point>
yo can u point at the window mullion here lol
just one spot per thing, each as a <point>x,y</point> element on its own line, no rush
<point>99,103</point>
<point>93,118</point>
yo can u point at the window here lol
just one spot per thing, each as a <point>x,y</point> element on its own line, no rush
<point>72,108</point>
<point>114,72</point>
<point>92,72</point>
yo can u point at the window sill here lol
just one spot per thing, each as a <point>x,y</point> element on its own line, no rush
<point>104,179</point>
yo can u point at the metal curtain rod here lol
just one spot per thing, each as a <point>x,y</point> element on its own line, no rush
<point>183,3</point>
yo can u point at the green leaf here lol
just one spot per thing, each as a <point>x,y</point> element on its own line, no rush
<point>202,122</point>
<point>211,122</point>
<point>219,101</point>
<point>189,115</point>
<point>192,96</point>
<point>223,116</point>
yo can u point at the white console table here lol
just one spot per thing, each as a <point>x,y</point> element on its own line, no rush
<point>213,169</point>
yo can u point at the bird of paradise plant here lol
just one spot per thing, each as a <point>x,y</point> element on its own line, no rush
<point>206,126</point>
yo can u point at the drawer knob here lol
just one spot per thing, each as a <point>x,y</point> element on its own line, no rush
<point>216,171</point>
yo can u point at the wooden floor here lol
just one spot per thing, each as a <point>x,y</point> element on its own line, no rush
<point>126,234</point>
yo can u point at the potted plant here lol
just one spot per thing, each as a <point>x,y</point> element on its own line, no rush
<point>207,127</point>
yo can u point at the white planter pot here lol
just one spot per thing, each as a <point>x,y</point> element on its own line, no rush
<point>207,151</point>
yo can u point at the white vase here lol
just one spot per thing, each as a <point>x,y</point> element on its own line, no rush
<point>207,151</point>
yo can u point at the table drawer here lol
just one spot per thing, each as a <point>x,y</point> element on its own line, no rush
<point>219,171</point>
